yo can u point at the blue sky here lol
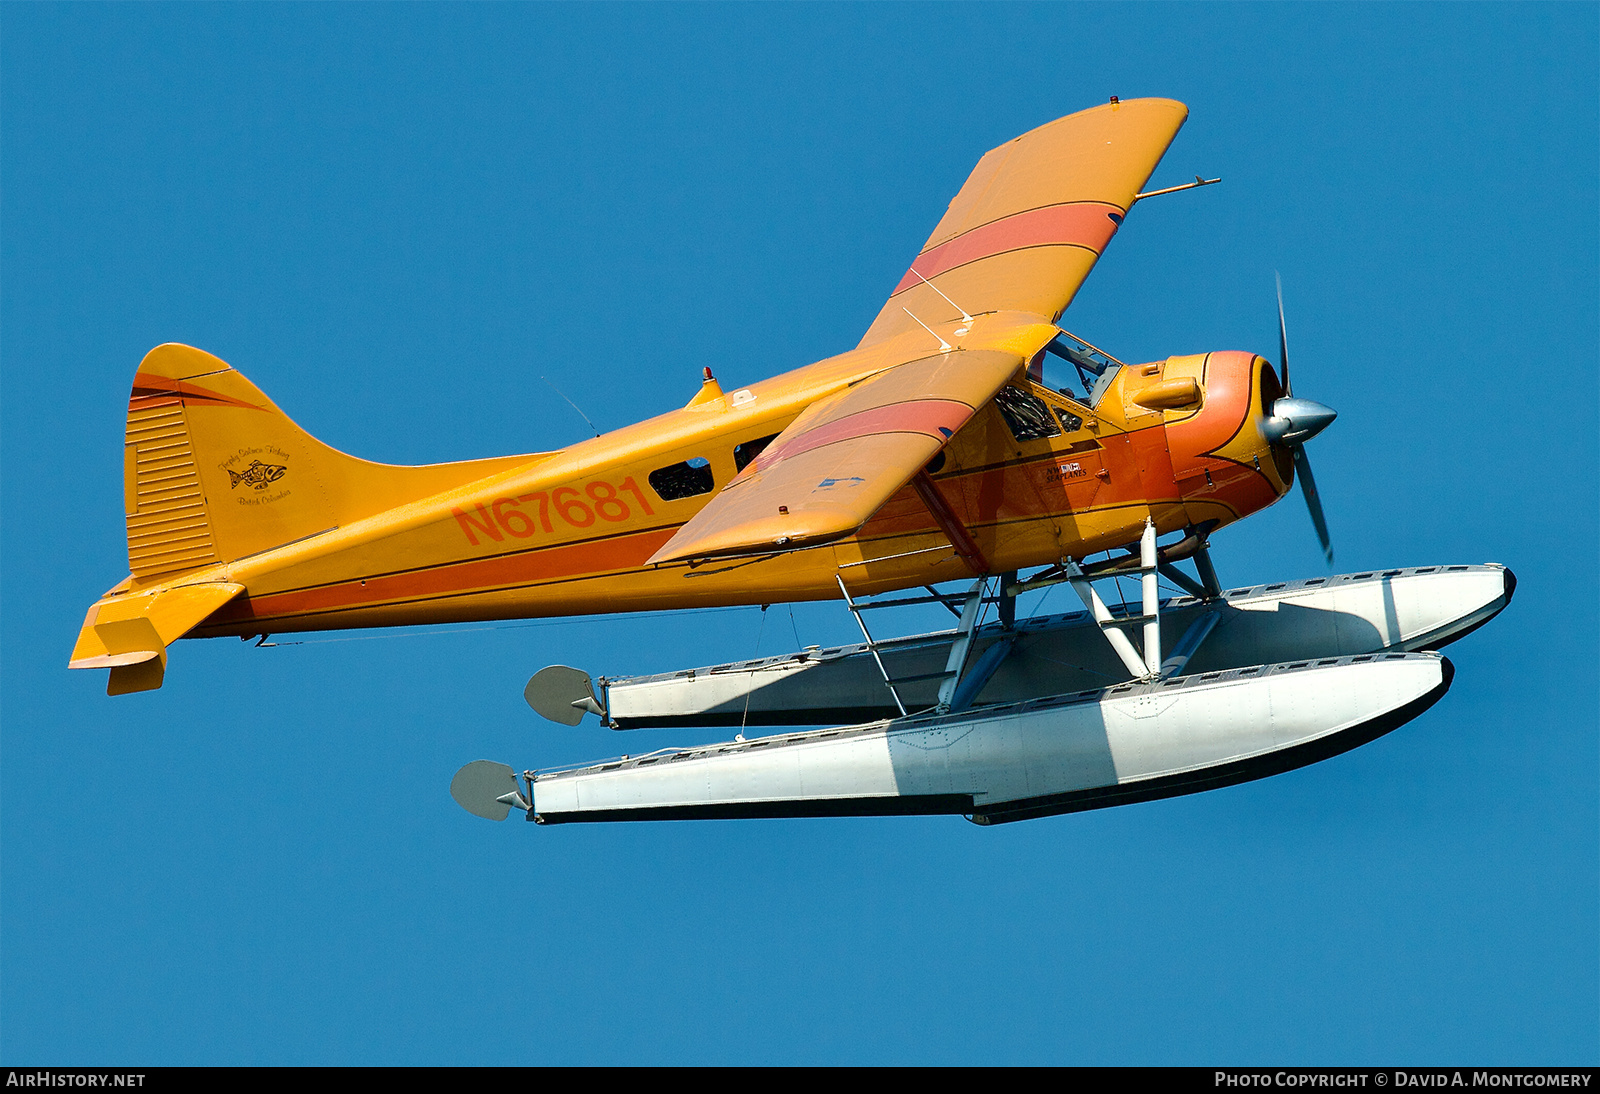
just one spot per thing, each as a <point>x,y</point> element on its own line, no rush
<point>396,219</point>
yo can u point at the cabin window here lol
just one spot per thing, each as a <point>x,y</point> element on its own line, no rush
<point>1102,384</point>
<point>744,453</point>
<point>683,480</point>
<point>1051,372</point>
<point>1069,421</point>
<point>1094,370</point>
<point>1027,416</point>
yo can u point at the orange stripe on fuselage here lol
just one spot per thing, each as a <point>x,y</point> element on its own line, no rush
<point>1081,224</point>
<point>903,514</point>
<point>595,557</point>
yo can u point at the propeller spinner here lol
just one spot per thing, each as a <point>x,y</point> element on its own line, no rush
<point>1294,422</point>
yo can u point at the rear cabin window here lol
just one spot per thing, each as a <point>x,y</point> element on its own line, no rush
<point>744,453</point>
<point>1027,416</point>
<point>682,480</point>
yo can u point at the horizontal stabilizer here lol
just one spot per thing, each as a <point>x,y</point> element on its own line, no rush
<point>129,633</point>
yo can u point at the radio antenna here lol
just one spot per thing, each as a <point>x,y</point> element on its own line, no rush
<point>573,405</point>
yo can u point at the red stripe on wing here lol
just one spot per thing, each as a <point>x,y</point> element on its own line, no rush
<point>1086,224</point>
<point>937,418</point>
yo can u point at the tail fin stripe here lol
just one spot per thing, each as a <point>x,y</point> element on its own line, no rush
<point>166,511</point>
<point>166,561</point>
<point>166,544</point>
<point>183,470</point>
<point>148,431</point>
<point>174,541</point>
<point>148,527</point>
<point>169,456</point>
<point>150,542</point>
<point>145,387</point>
<point>169,494</point>
<point>156,417</point>
<point>166,515</point>
<point>165,463</point>
<point>165,558</point>
<point>159,443</point>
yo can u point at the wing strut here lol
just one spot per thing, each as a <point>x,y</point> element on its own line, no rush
<point>949,523</point>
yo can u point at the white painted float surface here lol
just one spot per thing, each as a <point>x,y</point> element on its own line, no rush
<point>1106,738</point>
<point>1349,614</point>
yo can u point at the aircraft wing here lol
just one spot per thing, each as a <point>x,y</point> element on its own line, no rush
<point>1020,237</point>
<point>1033,217</point>
<point>839,461</point>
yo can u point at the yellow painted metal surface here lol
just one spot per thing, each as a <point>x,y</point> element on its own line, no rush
<point>241,523</point>
<point>1034,216</point>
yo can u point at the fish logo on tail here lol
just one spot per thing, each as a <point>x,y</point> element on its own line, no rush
<point>259,475</point>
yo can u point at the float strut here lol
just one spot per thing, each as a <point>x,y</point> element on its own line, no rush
<point>962,645</point>
<point>975,678</point>
<point>1207,572</point>
<point>1152,602</point>
<point>871,645</point>
<point>1189,643</point>
<point>1109,625</point>
<point>1184,581</point>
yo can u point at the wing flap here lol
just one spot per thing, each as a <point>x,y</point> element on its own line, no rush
<point>835,466</point>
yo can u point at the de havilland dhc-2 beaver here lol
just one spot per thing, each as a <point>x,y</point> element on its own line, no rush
<point>967,439</point>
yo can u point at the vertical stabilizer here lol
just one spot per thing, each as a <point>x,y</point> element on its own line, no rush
<point>214,472</point>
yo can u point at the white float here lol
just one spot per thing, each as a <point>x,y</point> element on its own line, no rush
<point>1129,742</point>
<point>1400,610</point>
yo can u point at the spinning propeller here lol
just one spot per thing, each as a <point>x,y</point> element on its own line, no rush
<point>1292,424</point>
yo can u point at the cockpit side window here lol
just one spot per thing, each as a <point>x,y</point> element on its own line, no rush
<point>1071,366</point>
<point>1101,383</point>
<point>1051,372</point>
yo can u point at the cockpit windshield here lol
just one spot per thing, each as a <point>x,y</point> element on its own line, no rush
<point>1074,368</point>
